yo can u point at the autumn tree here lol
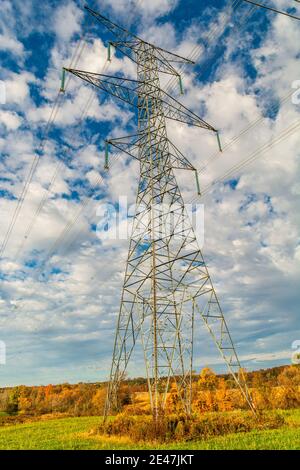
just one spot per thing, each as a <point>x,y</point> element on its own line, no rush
<point>174,403</point>
<point>288,395</point>
<point>223,397</point>
<point>207,379</point>
<point>98,400</point>
<point>124,395</point>
<point>12,406</point>
<point>206,386</point>
<point>260,391</point>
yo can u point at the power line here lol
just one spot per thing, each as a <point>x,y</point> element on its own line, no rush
<point>238,26</point>
<point>59,164</point>
<point>84,204</point>
<point>47,190</point>
<point>57,168</point>
<point>100,179</point>
<point>65,232</point>
<point>287,133</point>
<point>273,9</point>
<point>250,126</point>
<point>253,156</point>
<point>291,129</point>
<point>35,162</point>
<point>195,53</point>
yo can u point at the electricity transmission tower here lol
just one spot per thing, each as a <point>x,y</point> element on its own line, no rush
<point>167,286</point>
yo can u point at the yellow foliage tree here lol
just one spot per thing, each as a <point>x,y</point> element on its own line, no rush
<point>206,386</point>
<point>207,379</point>
<point>98,399</point>
<point>288,395</point>
<point>223,397</point>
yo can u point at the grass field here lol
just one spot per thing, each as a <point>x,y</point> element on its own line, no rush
<point>74,433</point>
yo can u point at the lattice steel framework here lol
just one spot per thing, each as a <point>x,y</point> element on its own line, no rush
<point>167,285</point>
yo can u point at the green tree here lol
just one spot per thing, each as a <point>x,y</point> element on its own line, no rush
<point>12,406</point>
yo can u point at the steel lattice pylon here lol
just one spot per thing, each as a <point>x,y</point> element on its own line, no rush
<point>167,284</point>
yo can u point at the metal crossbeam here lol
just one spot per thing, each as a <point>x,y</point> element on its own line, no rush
<point>129,91</point>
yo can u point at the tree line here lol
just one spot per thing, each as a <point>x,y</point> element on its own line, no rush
<point>273,388</point>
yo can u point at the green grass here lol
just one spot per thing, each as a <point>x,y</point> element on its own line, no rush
<point>73,433</point>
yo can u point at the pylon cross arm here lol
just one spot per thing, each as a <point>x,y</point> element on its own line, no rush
<point>127,39</point>
<point>133,144</point>
<point>123,88</point>
<point>131,50</point>
<point>128,144</point>
<point>127,90</point>
<point>117,30</point>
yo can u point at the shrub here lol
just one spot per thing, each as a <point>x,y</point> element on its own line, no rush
<point>177,427</point>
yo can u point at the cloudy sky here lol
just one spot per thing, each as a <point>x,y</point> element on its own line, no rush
<point>60,284</point>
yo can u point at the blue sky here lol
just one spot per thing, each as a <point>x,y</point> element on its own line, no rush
<point>60,286</point>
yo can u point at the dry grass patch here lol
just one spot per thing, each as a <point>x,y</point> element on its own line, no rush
<point>178,428</point>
